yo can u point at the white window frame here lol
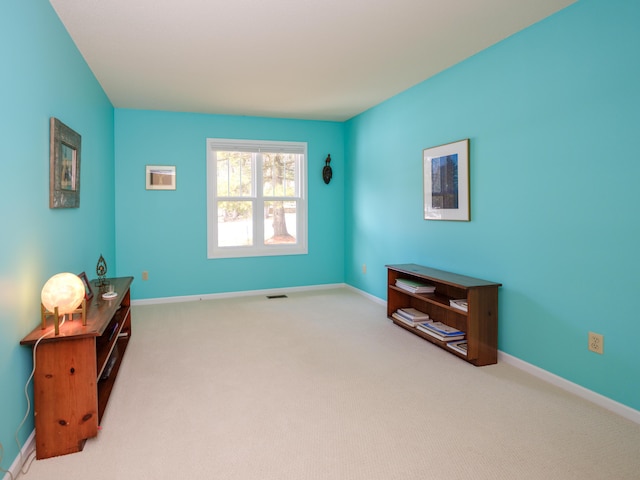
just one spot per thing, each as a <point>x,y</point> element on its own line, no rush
<point>258,249</point>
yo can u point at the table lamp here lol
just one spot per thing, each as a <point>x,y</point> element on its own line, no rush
<point>62,294</point>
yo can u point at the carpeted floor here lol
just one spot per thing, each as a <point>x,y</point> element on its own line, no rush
<point>321,385</point>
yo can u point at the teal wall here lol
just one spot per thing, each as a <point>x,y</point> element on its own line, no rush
<point>552,114</point>
<point>44,75</point>
<point>165,232</point>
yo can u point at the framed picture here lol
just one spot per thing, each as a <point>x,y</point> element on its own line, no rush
<point>161,177</point>
<point>88,293</point>
<point>64,166</point>
<point>446,182</point>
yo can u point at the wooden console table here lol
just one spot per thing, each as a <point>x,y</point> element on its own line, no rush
<point>75,371</point>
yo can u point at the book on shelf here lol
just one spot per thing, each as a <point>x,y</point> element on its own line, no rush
<point>441,328</point>
<point>460,304</point>
<point>113,358</point>
<point>459,346</point>
<point>414,286</point>
<point>413,314</point>
<point>405,320</point>
<point>439,336</point>
<point>440,331</point>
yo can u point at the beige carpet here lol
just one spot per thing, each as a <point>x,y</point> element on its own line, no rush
<point>321,385</point>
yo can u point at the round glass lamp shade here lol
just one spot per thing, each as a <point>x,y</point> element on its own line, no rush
<point>65,291</point>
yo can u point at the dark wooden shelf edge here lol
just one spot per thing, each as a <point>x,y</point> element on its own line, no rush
<point>441,276</point>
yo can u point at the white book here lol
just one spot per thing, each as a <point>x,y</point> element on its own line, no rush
<point>460,304</point>
<point>413,314</point>
<point>434,334</point>
<point>404,320</point>
<point>414,286</point>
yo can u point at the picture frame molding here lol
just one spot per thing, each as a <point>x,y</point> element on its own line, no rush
<point>438,205</point>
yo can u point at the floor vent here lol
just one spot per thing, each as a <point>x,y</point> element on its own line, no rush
<point>276,296</point>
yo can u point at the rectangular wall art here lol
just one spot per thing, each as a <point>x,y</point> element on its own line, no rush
<point>64,166</point>
<point>161,177</point>
<point>446,182</point>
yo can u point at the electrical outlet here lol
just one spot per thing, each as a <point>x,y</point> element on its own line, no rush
<point>364,268</point>
<point>145,275</point>
<point>596,343</point>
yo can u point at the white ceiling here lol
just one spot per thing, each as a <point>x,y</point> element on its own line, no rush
<point>304,59</point>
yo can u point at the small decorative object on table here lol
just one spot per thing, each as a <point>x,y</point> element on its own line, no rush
<point>101,272</point>
<point>109,292</point>
<point>88,293</point>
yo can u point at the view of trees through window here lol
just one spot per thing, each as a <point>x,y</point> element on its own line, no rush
<point>274,176</point>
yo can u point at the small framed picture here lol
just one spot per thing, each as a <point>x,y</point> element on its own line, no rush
<point>161,177</point>
<point>446,182</point>
<point>88,293</point>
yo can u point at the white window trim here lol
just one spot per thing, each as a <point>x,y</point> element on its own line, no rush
<point>259,249</point>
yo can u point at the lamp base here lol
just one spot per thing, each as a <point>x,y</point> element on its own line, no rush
<point>56,316</point>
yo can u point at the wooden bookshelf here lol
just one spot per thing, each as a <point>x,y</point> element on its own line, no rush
<point>71,385</point>
<point>479,322</point>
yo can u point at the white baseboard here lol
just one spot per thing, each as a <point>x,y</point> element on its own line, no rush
<point>247,293</point>
<point>373,298</point>
<point>28,447</point>
<point>605,402</point>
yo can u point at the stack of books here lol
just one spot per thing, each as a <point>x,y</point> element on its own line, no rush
<point>439,330</point>
<point>410,316</point>
<point>460,304</point>
<point>413,286</point>
<point>459,346</point>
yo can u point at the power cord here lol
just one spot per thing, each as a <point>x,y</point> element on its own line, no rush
<point>2,469</point>
<point>23,461</point>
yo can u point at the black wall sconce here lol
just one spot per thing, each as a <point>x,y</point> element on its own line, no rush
<point>327,173</point>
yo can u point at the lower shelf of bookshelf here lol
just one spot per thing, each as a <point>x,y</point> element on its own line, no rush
<point>429,338</point>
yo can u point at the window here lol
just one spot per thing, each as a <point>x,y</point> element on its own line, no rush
<point>256,198</point>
